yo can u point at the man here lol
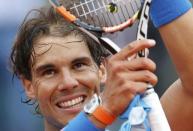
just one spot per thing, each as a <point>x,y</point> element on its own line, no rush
<point>177,101</point>
<point>62,68</point>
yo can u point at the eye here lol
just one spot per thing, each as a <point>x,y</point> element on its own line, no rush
<point>49,73</point>
<point>80,66</point>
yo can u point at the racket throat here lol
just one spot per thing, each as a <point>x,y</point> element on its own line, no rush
<point>143,22</point>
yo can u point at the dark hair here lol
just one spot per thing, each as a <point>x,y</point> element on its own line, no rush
<point>46,23</point>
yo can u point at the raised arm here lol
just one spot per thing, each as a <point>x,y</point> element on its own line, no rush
<point>177,34</point>
<point>178,38</point>
<point>124,80</point>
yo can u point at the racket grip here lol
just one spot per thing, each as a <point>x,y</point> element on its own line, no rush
<point>156,116</point>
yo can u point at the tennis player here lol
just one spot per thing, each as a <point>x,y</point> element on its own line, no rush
<point>63,70</point>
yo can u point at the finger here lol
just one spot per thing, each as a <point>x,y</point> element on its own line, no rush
<point>133,48</point>
<point>132,87</point>
<point>141,64</point>
<point>146,52</point>
<point>136,55</point>
<point>136,64</point>
<point>141,76</point>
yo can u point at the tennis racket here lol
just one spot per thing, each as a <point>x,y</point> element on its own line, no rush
<point>109,16</point>
<point>96,15</point>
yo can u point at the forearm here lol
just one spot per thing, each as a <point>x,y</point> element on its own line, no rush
<point>178,107</point>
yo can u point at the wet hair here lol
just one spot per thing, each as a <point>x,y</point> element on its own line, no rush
<point>45,22</point>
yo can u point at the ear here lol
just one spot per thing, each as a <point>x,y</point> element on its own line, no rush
<point>102,73</point>
<point>102,78</point>
<point>28,87</point>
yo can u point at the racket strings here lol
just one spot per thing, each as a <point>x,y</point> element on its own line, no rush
<point>105,13</point>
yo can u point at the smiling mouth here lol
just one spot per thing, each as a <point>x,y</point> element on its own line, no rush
<point>72,104</point>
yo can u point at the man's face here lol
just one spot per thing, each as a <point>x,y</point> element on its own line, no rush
<point>64,78</point>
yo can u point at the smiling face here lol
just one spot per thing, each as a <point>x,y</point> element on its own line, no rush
<point>64,78</point>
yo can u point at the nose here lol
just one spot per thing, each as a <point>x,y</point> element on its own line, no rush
<point>68,81</point>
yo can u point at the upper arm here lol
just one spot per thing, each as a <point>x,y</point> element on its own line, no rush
<point>178,39</point>
<point>177,101</point>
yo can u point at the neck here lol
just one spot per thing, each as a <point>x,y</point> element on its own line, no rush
<point>50,127</point>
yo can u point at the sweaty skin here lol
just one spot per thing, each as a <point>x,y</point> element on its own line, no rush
<point>177,100</point>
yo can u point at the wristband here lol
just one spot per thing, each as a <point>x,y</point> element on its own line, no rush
<point>81,123</point>
<point>164,11</point>
<point>103,116</point>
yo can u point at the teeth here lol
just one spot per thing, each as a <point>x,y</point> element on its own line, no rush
<point>72,103</point>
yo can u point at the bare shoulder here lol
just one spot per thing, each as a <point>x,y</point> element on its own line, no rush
<point>178,106</point>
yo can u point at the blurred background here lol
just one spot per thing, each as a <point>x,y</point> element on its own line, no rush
<point>16,116</point>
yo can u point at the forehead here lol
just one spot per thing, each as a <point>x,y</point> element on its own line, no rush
<point>71,42</point>
<point>60,48</point>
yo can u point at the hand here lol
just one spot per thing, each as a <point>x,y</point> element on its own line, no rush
<point>127,78</point>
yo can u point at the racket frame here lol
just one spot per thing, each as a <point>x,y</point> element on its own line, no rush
<point>73,19</point>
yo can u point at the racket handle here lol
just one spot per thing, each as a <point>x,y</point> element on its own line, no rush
<point>156,116</point>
